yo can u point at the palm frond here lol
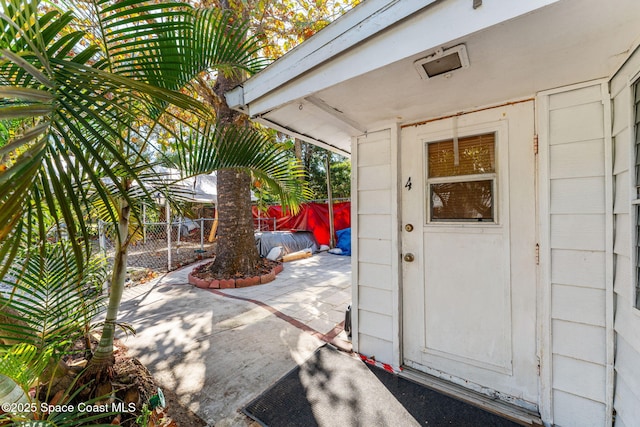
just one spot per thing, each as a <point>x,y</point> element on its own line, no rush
<point>51,298</point>
<point>220,146</point>
<point>20,367</point>
<point>79,115</point>
<point>24,364</point>
<point>168,43</point>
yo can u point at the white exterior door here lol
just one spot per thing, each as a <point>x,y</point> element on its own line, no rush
<point>468,246</point>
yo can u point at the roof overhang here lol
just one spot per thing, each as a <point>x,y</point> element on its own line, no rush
<point>359,73</point>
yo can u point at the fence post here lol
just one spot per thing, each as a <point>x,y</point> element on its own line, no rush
<point>178,233</point>
<point>332,231</point>
<point>101,236</point>
<point>274,223</point>
<point>168,215</point>
<point>201,235</point>
<point>144,224</point>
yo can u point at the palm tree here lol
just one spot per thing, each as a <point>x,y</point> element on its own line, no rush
<point>90,113</point>
<point>236,249</point>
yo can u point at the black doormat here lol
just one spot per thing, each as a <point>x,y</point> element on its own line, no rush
<point>334,389</point>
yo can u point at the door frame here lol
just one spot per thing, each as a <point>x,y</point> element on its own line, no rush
<point>543,304</point>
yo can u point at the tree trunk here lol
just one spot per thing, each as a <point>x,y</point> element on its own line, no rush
<point>236,251</point>
<point>308,154</point>
<point>103,359</point>
<point>297,146</point>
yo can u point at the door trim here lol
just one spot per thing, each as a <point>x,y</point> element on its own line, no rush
<point>465,112</point>
<point>504,199</point>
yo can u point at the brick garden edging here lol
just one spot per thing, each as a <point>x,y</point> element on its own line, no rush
<point>235,283</point>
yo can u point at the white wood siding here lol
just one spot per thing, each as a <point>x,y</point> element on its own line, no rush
<point>627,322</point>
<point>375,269</point>
<point>575,220</point>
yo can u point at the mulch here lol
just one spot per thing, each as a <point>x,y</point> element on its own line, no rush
<point>264,266</point>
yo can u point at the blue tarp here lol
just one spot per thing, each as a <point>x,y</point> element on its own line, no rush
<point>344,241</point>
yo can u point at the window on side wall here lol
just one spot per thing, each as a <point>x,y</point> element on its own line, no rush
<point>461,179</point>
<point>636,201</point>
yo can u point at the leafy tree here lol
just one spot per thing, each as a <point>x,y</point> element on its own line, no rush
<point>280,25</point>
<point>95,105</point>
<point>314,161</point>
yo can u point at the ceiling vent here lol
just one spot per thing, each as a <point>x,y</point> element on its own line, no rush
<point>443,61</point>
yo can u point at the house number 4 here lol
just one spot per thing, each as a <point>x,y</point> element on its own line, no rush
<point>408,184</point>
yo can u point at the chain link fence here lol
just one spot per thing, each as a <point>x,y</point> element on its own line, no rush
<point>163,247</point>
<point>264,224</point>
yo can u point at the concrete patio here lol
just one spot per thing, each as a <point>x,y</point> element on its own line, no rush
<point>219,349</point>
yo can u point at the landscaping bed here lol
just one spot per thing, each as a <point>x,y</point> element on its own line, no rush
<point>174,414</point>
<point>132,383</point>
<point>265,272</point>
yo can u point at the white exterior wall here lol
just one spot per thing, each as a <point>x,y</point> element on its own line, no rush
<point>374,242</point>
<point>574,217</point>
<point>627,321</point>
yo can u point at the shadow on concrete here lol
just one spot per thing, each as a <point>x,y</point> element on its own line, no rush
<point>332,388</point>
<point>214,352</point>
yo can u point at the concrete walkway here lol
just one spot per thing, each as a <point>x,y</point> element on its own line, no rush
<point>219,349</point>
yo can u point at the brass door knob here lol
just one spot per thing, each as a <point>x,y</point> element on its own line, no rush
<point>408,257</point>
<point>409,227</point>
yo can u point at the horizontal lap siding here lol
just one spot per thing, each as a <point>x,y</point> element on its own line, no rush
<point>577,240</point>
<point>583,267</point>
<point>374,240</point>
<point>627,381</point>
<point>580,378</point>
<point>627,319</point>
<point>579,341</point>
<point>571,410</point>
<point>626,403</point>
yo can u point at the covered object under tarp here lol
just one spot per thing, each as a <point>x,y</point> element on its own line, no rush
<point>288,240</point>
<point>197,189</point>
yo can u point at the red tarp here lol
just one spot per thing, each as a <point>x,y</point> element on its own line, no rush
<point>312,217</point>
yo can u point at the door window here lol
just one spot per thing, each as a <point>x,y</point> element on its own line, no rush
<point>461,179</point>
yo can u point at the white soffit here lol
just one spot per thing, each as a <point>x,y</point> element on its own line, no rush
<point>316,122</point>
<point>374,34</point>
<point>360,23</point>
<point>365,89</point>
<point>568,42</point>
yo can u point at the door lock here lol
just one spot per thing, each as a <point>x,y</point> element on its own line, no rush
<point>408,257</point>
<point>409,227</point>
